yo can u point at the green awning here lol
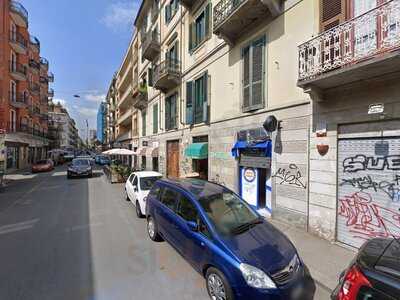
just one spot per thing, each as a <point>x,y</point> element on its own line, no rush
<point>197,151</point>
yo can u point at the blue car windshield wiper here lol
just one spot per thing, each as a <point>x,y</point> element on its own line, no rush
<point>246,226</point>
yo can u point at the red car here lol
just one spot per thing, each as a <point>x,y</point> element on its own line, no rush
<point>43,166</point>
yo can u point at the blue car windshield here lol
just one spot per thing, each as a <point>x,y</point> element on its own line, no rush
<point>227,212</point>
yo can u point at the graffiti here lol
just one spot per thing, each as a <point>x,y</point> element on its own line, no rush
<point>361,162</point>
<point>366,219</point>
<point>291,176</point>
<point>391,189</point>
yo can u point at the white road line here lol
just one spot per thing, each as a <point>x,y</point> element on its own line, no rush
<point>18,226</point>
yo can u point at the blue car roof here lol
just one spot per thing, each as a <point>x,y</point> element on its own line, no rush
<point>196,187</point>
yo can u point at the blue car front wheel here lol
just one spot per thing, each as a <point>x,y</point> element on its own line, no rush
<point>218,287</point>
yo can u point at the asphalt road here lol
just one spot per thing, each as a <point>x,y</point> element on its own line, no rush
<point>79,239</point>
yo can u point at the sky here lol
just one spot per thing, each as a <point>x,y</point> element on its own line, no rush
<point>85,42</point>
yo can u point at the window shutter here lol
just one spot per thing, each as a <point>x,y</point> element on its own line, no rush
<point>168,113</point>
<point>173,111</point>
<point>155,118</point>
<point>167,13</point>
<point>150,79</point>
<point>144,123</point>
<point>205,97</point>
<point>207,14</point>
<point>257,74</point>
<point>333,12</point>
<point>191,36</point>
<point>246,77</point>
<point>189,102</point>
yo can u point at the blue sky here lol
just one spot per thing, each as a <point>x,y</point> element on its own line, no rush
<point>84,41</point>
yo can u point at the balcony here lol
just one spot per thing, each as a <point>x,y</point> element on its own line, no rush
<point>44,80</point>
<point>167,74</point>
<point>34,65</point>
<point>359,49</point>
<point>140,101</point>
<point>44,63</point>
<point>18,71</point>
<point>151,45</point>
<point>34,111</point>
<point>44,100</point>
<point>50,93</point>
<point>50,77</point>
<point>123,136</point>
<point>125,118</point>
<point>19,13</point>
<point>126,98</point>
<point>234,18</point>
<point>19,100</point>
<point>34,88</point>
<point>34,41</point>
<point>18,42</point>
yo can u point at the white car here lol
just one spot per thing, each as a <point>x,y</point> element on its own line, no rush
<point>138,186</point>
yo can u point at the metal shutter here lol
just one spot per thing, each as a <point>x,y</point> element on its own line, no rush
<point>332,13</point>
<point>246,77</point>
<point>368,189</point>
<point>257,73</point>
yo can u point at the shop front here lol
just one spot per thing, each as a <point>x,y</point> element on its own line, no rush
<point>254,159</point>
<point>198,153</point>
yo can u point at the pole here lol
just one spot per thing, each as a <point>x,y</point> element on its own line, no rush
<point>87,134</point>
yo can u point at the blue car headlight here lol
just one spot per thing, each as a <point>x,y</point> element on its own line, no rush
<point>256,278</point>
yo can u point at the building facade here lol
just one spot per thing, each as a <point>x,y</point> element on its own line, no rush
<point>24,90</point>
<point>110,116</point>
<point>327,89</point>
<point>62,128</point>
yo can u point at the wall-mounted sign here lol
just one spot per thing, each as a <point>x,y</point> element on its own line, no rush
<point>377,108</point>
<point>145,143</point>
<point>249,185</point>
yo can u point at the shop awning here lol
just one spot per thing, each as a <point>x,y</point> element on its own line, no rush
<point>266,146</point>
<point>197,151</point>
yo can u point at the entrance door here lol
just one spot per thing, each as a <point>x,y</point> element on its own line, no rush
<point>173,159</point>
<point>368,189</point>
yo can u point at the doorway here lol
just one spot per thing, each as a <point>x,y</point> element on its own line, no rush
<point>173,159</point>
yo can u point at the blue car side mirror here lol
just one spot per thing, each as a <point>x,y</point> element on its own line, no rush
<point>193,226</point>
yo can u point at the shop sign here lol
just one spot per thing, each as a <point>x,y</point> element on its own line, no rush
<point>249,185</point>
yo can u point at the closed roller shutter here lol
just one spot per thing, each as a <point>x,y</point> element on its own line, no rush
<point>368,189</point>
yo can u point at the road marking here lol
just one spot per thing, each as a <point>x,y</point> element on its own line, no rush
<point>62,173</point>
<point>18,226</point>
<point>83,227</point>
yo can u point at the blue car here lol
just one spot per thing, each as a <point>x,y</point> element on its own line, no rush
<point>239,253</point>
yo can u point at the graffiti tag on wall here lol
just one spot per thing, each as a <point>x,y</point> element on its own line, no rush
<point>366,219</point>
<point>362,162</point>
<point>291,175</point>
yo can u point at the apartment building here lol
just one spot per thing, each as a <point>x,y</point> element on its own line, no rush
<point>126,86</point>
<point>351,69</point>
<point>24,90</point>
<point>211,83</point>
<point>101,121</point>
<point>62,128</point>
<point>110,116</point>
<point>320,74</point>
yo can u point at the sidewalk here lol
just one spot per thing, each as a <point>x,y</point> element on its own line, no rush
<point>324,259</point>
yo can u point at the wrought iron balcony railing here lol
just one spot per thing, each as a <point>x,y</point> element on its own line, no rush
<point>34,64</point>
<point>18,68</point>
<point>151,45</point>
<point>50,77</point>
<point>44,79</point>
<point>34,87</point>
<point>18,8</point>
<point>359,39</point>
<point>34,42</point>
<point>44,62</point>
<point>19,100</point>
<point>50,93</point>
<point>224,9</point>
<point>18,38</point>
<point>167,74</point>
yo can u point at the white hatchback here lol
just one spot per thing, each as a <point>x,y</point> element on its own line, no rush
<point>138,186</point>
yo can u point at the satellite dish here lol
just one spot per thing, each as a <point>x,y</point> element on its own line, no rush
<point>270,124</point>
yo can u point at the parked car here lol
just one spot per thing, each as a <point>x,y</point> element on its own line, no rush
<point>79,167</point>
<point>373,274</point>
<point>240,254</point>
<point>102,160</point>
<point>45,165</point>
<point>138,186</point>
<point>87,157</point>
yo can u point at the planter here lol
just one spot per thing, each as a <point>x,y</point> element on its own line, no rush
<point>113,175</point>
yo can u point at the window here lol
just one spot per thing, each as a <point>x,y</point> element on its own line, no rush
<point>13,119</point>
<point>172,54</point>
<point>253,75</point>
<point>197,100</point>
<point>146,183</point>
<point>155,191</point>
<point>199,30</point>
<point>203,229</point>
<point>170,112</point>
<point>131,178</point>
<point>169,198</point>
<point>135,181</point>
<point>143,123</point>
<point>143,162</point>
<point>13,91</point>
<point>155,118</point>
<point>187,210</point>
<point>170,9</point>
<point>150,76</point>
